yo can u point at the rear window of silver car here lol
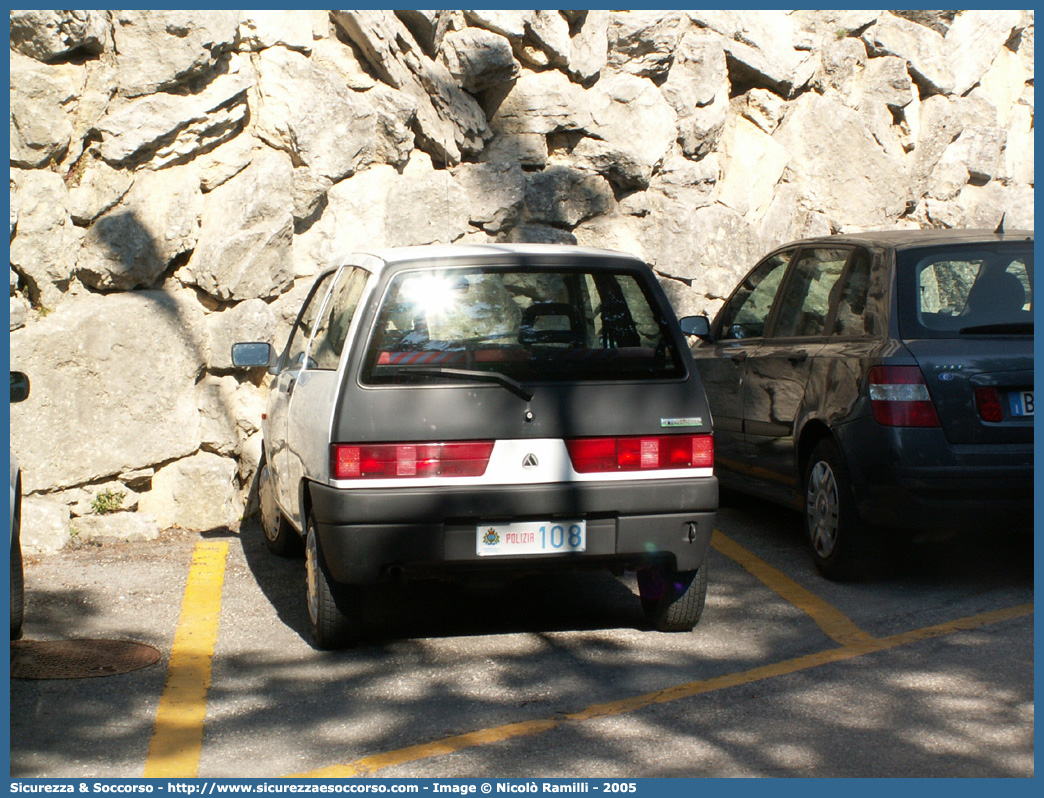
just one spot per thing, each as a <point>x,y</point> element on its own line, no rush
<point>532,325</point>
<point>948,292</point>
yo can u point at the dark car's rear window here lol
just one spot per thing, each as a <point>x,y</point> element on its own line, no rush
<point>531,325</point>
<point>982,289</point>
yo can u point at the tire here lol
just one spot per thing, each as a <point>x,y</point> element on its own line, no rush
<point>333,609</point>
<point>672,600</point>
<point>280,536</point>
<point>841,548</point>
<point>17,574</point>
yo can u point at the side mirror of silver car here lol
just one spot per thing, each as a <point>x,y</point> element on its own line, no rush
<point>19,386</point>
<point>696,325</point>
<point>251,355</point>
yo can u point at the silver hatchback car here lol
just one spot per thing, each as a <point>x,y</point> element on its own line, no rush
<point>493,410</point>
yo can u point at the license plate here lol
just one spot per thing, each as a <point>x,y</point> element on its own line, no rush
<point>531,537</point>
<point>1021,403</point>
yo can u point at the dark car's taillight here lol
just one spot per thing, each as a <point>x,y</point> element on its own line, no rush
<point>592,455</point>
<point>402,460</point>
<point>899,397</point>
<point>988,402</point>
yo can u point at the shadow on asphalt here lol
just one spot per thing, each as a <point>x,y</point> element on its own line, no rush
<point>431,608</point>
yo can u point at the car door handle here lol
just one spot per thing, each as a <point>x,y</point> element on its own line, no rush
<point>797,357</point>
<point>737,357</point>
<point>290,386</point>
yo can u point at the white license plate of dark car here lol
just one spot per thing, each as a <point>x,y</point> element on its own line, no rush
<point>1022,403</point>
<point>531,537</point>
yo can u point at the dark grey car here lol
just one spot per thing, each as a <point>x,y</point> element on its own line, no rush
<point>880,380</point>
<point>490,410</point>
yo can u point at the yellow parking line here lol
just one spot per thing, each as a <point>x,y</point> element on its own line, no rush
<point>831,620</point>
<point>177,736</point>
<point>865,645</point>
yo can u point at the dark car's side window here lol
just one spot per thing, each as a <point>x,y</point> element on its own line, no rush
<point>805,303</point>
<point>851,321</point>
<point>302,332</point>
<point>332,331</point>
<point>745,314</point>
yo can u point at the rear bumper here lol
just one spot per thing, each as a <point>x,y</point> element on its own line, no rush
<point>913,480</point>
<point>365,534</point>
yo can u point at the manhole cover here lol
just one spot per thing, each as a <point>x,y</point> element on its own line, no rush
<point>78,659</point>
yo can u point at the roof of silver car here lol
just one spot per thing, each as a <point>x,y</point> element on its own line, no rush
<point>378,258</point>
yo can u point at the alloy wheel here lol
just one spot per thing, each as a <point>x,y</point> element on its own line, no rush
<point>821,509</point>
<point>312,576</point>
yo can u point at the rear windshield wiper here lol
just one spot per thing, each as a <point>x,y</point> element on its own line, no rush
<point>1014,328</point>
<point>512,385</point>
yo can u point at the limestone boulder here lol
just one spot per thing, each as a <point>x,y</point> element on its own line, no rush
<point>974,40</point>
<point>259,30</point>
<point>510,24</point>
<point>564,197</point>
<point>199,494</point>
<point>790,216</point>
<point>887,80</point>
<point>979,150</point>
<point>379,208</point>
<point>588,45</point>
<point>983,207</point>
<point>478,59</point>
<point>309,193</point>
<point>494,193</point>
<point>644,42</point>
<point>49,35</point>
<point>841,168</point>
<point>396,113</point>
<point>541,103</point>
<point>43,250</point>
<point>157,50</point>
<point>45,525</point>
<point>355,214</point>
<point>122,397</point>
<point>842,63</point>
<point>1018,155</point>
<point>170,128</point>
<point>428,207</point>
<point>710,248</point>
<point>133,244</point>
<point>548,33</point>
<point>922,48</point>
<point>621,104</point>
<point>760,45</point>
<point>252,320</point>
<point>96,188</point>
<point>341,59</point>
<point>229,413</point>
<point>217,166</point>
<point>1003,84</point>
<point>430,28</point>
<point>116,528</point>
<point>307,111</point>
<point>761,107</point>
<point>41,94</point>
<point>697,87</point>
<point>754,164</point>
<point>245,237</point>
<point>450,123</point>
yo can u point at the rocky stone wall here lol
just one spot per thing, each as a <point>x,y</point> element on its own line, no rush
<point>177,178</point>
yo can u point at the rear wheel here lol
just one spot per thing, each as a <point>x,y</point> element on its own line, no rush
<point>333,609</point>
<point>280,537</point>
<point>840,545</point>
<point>673,601</point>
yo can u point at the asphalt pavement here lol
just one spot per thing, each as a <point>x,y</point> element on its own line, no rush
<point>924,669</point>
